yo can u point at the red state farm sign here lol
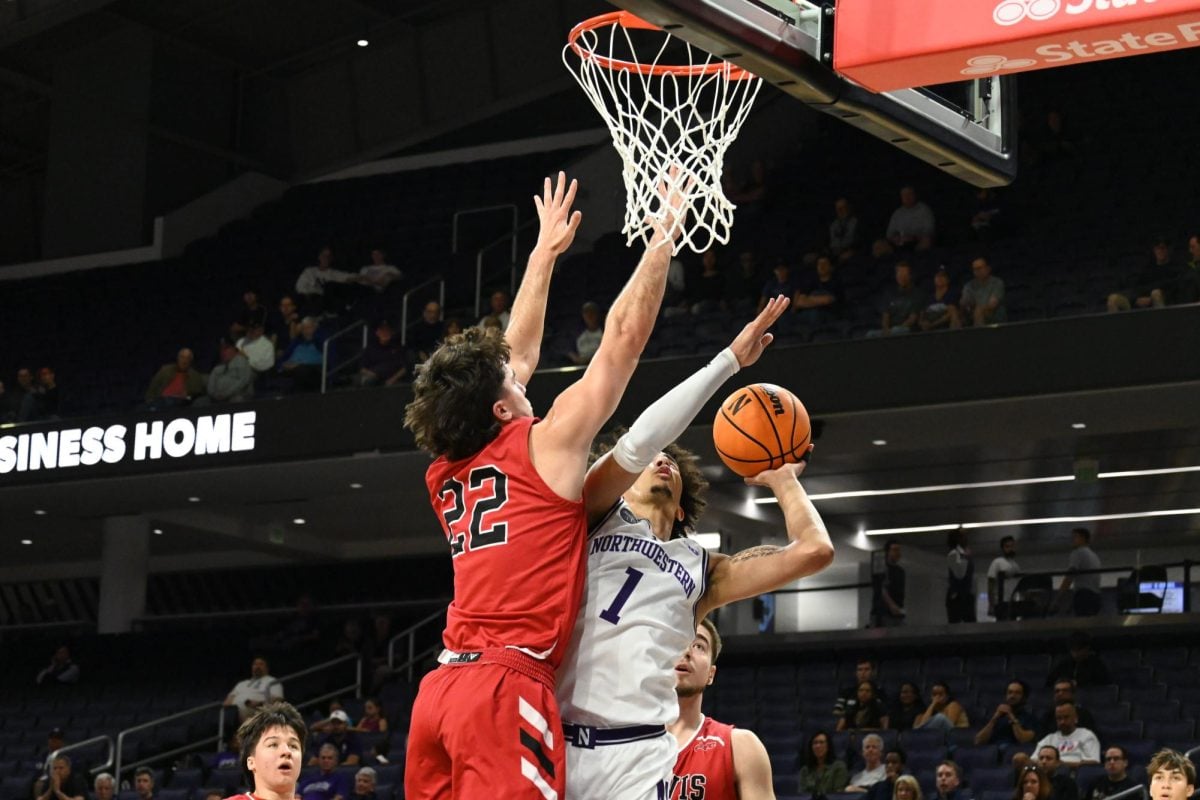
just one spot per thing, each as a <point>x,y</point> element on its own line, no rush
<point>899,44</point>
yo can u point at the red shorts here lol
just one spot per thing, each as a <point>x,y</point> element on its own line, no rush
<point>486,728</point>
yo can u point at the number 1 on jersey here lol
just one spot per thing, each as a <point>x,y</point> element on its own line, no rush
<point>613,612</point>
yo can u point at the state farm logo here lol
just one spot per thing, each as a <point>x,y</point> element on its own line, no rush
<point>1010,12</point>
<point>990,65</point>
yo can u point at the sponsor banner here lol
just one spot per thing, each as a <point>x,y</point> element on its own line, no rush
<point>889,46</point>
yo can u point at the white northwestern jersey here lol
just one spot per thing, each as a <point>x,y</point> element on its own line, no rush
<point>637,618</point>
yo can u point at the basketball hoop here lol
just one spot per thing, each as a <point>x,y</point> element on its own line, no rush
<point>662,116</point>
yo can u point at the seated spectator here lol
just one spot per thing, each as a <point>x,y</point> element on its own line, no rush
<point>1064,692</point>
<point>55,741</point>
<point>906,788</point>
<point>1075,745</point>
<point>588,341</point>
<point>1188,287</point>
<point>427,334</point>
<point>255,691</point>
<point>46,406</point>
<point>63,783</point>
<point>352,642</point>
<point>912,225</point>
<point>948,779</point>
<point>104,787</point>
<point>143,783</point>
<point>1082,664</point>
<point>843,231</point>
<point>379,274</point>
<point>342,739</point>
<point>231,381</point>
<point>821,773</point>
<point>780,283</point>
<point>904,306</point>
<point>453,327</point>
<point>820,299</point>
<point>708,294</point>
<point>492,321</point>
<point>983,297</point>
<point>1116,775</point>
<point>61,670</point>
<point>941,312</point>
<point>230,757</point>
<point>323,722</point>
<point>1012,722</point>
<point>1050,764</point>
<point>847,700</point>
<point>873,770</point>
<point>743,284</point>
<point>943,712</point>
<point>303,359</point>
<point>328,783</point>
<point>988,222</point>
<point>373,720</point>
<point>176,384</point>
<point>289,324</point>
<point>869,713</point>
<point>258,349</point>
<point>384,362</point>
<point>364,784</point>
<point>21,400</point>
<point>249,312</point>
<point>1033,784</point>
<point>498,305</point>
<point>1153,285</point>
<point>323,289</point>
<point>894,768</point>
<point>907,708</point>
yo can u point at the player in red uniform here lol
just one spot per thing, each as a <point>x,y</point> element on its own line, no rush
<point>508,489</point>
<point>272,748</point>
<point>716,761</point>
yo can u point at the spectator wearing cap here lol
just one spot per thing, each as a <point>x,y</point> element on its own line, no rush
<point>345,741</point>
<point>62,783</point>
<point>364,784</point>
<point>56,739</point>
<point>588,341</point>
<point>384,362</point>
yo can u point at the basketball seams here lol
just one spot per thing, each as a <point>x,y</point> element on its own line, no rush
<point>755,390</point>
<point>729,435</point>
<point>739,429</point>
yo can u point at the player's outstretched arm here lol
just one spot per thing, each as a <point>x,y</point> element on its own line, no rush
<point>669,416</point>
<point>767,567</point>
<point>558,226</point>
<point>751,767</point>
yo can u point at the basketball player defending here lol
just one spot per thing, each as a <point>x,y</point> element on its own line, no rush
<point>647,585</point>
<point>716,761</point>
<point>507,487</point>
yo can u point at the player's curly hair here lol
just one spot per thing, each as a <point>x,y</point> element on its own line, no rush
<point>453,394</point>
<point>695,485</point>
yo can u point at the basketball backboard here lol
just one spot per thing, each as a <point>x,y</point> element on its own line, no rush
<point>967,129</point>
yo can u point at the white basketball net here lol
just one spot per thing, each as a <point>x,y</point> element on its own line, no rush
<point>685,117</point>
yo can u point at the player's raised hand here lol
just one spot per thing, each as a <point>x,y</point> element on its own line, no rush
<point>672,195</point>
<point>772,478</point>
<point>754,338</point>
<point>558,221</point>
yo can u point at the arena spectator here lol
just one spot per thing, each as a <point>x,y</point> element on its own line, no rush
<point>498,308</point>
<point>743,283</point>
<point>1152,288</point>
<point>887,592</point>
<point>883,259</point>
<point>1064,692</point>
<point>847,701</point>
<point>843,231</point>
<point>1012,723</point>
<point>255,691</point>
<point>820,299</point>
<point>379,274</point>
<point>873,770</point>
<point>453,327</point>
<point>907,708</point>
<point>1188,290</point>
<point>1049,762</point>
<point>1086,599</point>
<point>912,225</point>
<point>907,788</point>
<point>176,384</point>
<point>384,361</point>
<point>104,787</point>
<point>1076,746</point>
<point>258,349</point>
<point>47,394</point>
<point>425,335</point>
<point>143,783</point>
<point>342,739</point>
<point>708,294</point>
<point>942,310</point>
<point>1172,776</point>
<point>821,773</point>
<point>948,782</point>
<point>351,642</point>
<point>230,757</point>
<point>1081,664</point>
<point>869,714</point>
<point>61,670</point>
<point>1033,784</point>
<point>20,400</point>
<point>781,282</point>
<point>231,381</point>
<point>1116,775</point>
<point>249,312</point>
<point>327,783</point>
<point>943,711</point>
<point>323,289</point>
<point>960,579</point>
<point>1004,568</point>
<point>323,722</point>
<point>373,720</point>
<point>893,767</point>
<point>63,783</point>
<point>982,300</point>
<point>303,359</point>
<point>1051,142</point>
<point>56,739</point>
<point>364,784</point>
<point>904,304</point>
<point>588,340</point>
<point>988,221</point>
<point>289,324</point>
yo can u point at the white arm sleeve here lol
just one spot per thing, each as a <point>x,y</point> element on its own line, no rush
<point>669,416</point>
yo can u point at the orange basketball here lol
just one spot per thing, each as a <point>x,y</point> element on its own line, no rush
<point>761,426</point>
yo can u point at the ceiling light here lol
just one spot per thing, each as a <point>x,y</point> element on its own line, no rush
<point>356,486</point>
<point>40,512</point>
<point>27,541</point>
<point>158,531</point>
<point>1165,512</point>
<point>362,43</point>
<point>879,442</point>
<point>193,499</point>
<point>298,521</point>
<point>1078,425</point>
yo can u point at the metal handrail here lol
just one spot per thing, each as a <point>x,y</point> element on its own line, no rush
<point>410,634</point>
<point>325,373</point>
<point>480,210</point>
<point>1186,565</point>
<point>438,279</point>
<point>35,626</point>
<point>154,724</point>
<point>512,277</point>
<point>79,746</point>
<point>410,665</point>
<point>280,611</point>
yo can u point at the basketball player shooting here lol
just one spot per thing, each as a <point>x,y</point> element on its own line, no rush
<point>507,487</point>
<point>647,584</point>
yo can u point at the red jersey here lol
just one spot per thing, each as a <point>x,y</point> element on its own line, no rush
<point>518,549</point>
<point>704,768</point>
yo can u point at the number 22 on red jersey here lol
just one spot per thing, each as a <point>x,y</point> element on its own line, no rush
<point>468,512</point>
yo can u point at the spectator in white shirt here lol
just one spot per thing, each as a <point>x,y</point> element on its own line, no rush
<point>1076,746</point>
<point>379,274</point>
<point>912,225</point>
<point>1004,565</point>
<point>257,348</point>
<point>323,287</point>
<point>255,691</point>
<point>499,309</point>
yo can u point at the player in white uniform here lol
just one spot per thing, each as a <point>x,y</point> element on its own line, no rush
<point>648,585</point>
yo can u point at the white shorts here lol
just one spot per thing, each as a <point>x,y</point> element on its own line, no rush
<point>638,770</point>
